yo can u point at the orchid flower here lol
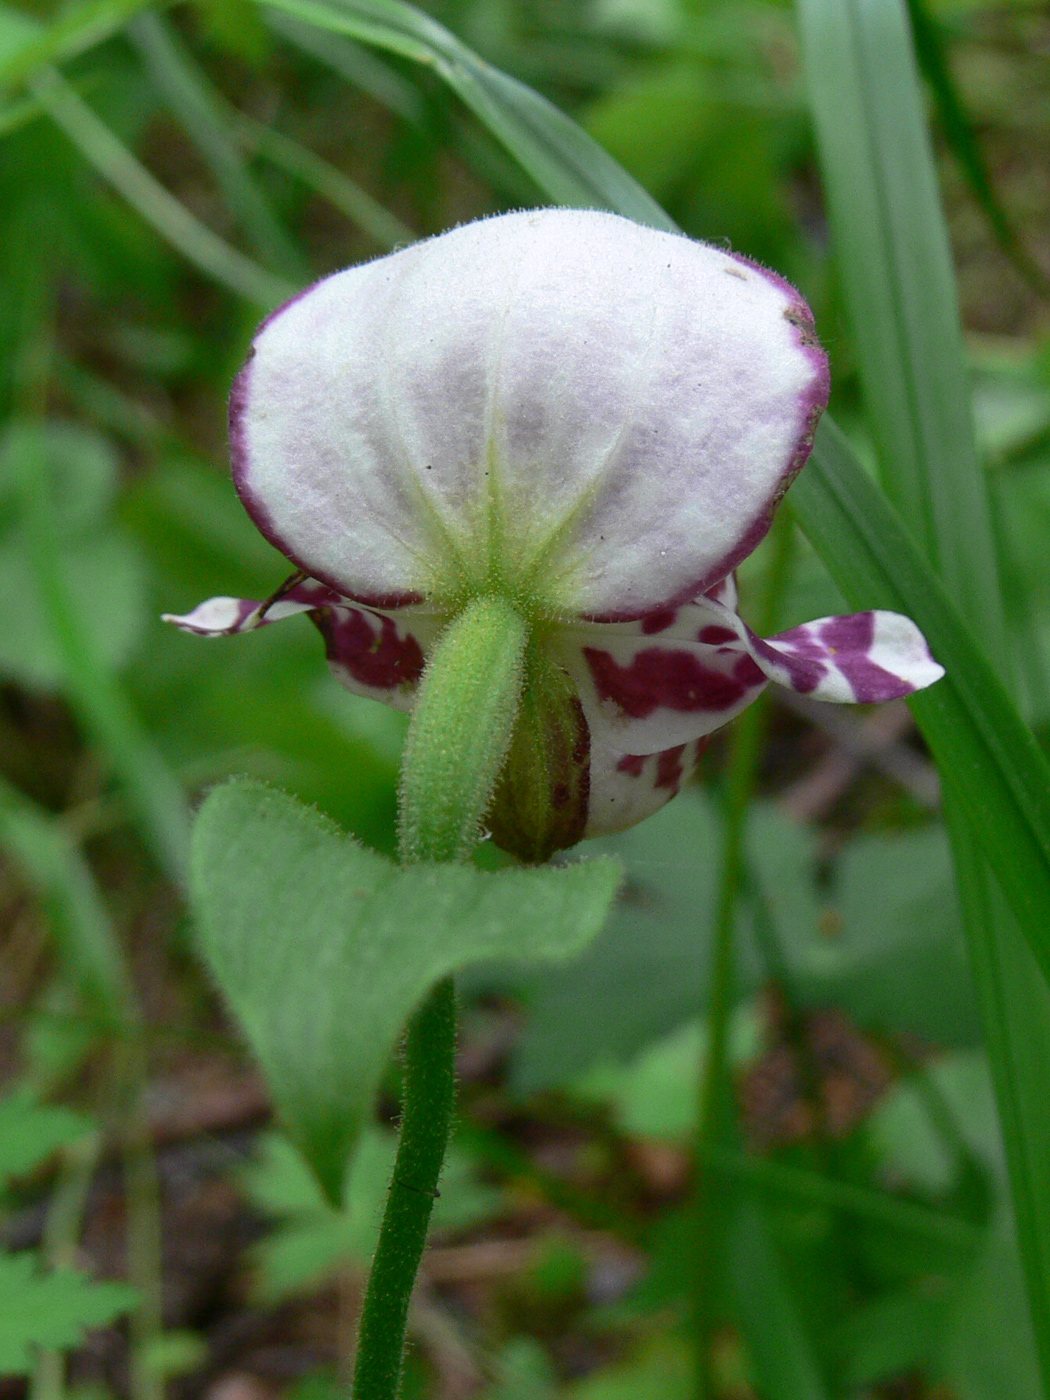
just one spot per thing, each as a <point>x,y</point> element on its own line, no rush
<point>591,418</point>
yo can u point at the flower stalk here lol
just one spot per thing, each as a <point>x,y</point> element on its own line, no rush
<point>459,736</point>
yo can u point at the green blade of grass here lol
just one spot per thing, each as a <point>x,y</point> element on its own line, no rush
<point>325,180</point>
<point>27,47</point>
<point>192,100</point>
<point>116,164</point>
<point>560,157</point>
<point>354,64</point>
<point>968,719</point>
<point>892,249</point>
<point>931,52</point>
<point>895,263</point>
<point>77,916</point>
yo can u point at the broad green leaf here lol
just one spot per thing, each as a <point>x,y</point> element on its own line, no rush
<point>81,469</point>
<point>40,1309</point>
<point>656,937</point>
<point>660,1371</point>
<point>31,1131</point>
<point>523,1371</point>
<point>104,575</point>
<point>91,684</point>
<point>892,897</point>
<point>323,947</point>
<point>310,1239</point>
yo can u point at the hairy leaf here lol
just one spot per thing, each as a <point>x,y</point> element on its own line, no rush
<point>324,947</point>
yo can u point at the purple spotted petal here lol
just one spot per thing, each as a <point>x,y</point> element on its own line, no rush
<point>370,652</point>
<point>681,673</point>
<point>665,680</point>
<point>627,788</point>
<point>863,658</point>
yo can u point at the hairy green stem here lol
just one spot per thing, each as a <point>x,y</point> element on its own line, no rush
<point>429,1095</point>
<point>460,732</point>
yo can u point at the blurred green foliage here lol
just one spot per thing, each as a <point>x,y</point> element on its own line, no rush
<point>291,154</point>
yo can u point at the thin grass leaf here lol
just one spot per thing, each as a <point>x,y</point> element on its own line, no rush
<point>357,65</point>
<point>77,915</point>
<point>14,115</point>
<point>81,27</point>
<point>778,1346</point>
<point>896,266</point>
<point>198,108</point>
<point>968,718</point>
<point>339,190</point>
<point>560,157</point>
<point>892,248</point>
<point>95,692</point>
<point>809,1188</point>
<point>930,49</point>
<point>119,168</point>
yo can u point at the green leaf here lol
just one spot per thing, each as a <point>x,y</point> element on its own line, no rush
<point>199,108</point>
<point>779,1348</point>
<point>891,1336</point>
<point>324,948</point>
<point>562,159</point>
<point>79,921</point>
<point>893,254</point>
<point>311,1239</point>
<point>91,685</point>
<point>986,1352</point>
<point>661,1371</point>
<point>981,744</point>
<point>26,46</point>
<point>50,1310</point>
<point>591,1012</point>
<point>896,267</point>
<point>31,1131</point>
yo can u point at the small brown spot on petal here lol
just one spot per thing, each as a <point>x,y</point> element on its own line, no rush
<point>807,335</point>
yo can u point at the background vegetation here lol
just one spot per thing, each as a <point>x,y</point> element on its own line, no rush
<point>167,175</point>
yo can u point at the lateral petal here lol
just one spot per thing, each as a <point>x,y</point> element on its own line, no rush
<point>666,680</point>
<point>862,658</point>
<point>371,652</point>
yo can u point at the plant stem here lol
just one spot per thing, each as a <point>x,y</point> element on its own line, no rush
<point>429,1100</point>
<point>457,741</point>
<point>743,760</point>
<point>460,731</point>
<point>143,1237</point>
<point>745,751</point>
